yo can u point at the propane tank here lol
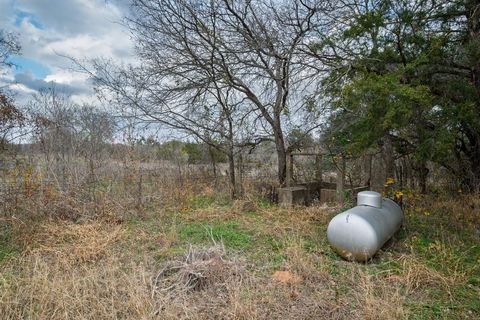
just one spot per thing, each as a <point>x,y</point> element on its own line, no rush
<point>358,233</point>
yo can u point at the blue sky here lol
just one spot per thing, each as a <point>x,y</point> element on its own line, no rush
<point>50,29</point>
<point>21,15</point>
<point>23,65</point>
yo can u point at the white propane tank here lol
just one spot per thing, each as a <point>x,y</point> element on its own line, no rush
<point>358,233</point>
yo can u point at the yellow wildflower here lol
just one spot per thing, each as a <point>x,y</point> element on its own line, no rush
<point>389,181</point>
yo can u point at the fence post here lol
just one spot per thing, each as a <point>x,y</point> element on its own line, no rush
<point>289,173</point>
<point>340,180</point>
<point>318,167</point>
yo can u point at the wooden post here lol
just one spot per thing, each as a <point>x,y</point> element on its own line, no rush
<point>340,180</point>
<point>367,170</point>
<point>318,166</point>
<point>240,173</point>
<point>289,173</point>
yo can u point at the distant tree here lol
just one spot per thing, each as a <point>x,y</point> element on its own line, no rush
<point>53,115</point>
<point>95,129</point>
<point>172,150</point>
<point>195,152</point>
<point>298,140</point>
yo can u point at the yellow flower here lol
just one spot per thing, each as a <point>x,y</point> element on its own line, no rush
<point>398,194</point>
<point>389,181</point>
<point>426,213</point>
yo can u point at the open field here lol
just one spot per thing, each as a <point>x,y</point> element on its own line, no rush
<point>202,256</point>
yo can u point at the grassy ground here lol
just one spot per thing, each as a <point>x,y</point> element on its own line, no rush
<point>207,258</point>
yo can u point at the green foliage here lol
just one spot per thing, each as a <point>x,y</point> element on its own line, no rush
<point>377,105</point>
<point>193,153</point>
<point>411,78</point>
<point>171,150</point>
<point>230,233</point>
<point>299,139</point>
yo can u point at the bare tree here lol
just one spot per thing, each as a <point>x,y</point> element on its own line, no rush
<point>11,118</point>
<point>8,46</point>
<point>95,128</point>
<point>53,115</point>
<point>239,58</point>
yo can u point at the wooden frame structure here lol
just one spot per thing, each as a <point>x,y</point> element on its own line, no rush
<point>301,193</point>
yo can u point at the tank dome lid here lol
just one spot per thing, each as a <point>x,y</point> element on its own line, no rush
<point>369,198</point>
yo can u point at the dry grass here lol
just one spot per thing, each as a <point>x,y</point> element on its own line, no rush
<point>72,272</point>
<point>380,300</point>
<point>142,267</point>
<point>44,289</point>
<point>71,244</point>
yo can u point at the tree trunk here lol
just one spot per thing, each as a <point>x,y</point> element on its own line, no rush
<point>341,166</point>
<point>474,180</point>
<point>367,169</point>
<point>422,176</point>
<point>389,159</point>
<point>239,190</point>
<point>231,173</point>
<point>214,164</point>
<point>289,170</point>
<point>281,154</point>
<point>318,168</point>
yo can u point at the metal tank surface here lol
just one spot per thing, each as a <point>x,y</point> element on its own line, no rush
<point>358,233</point>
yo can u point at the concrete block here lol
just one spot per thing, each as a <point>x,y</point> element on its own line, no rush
<point>290,196</point>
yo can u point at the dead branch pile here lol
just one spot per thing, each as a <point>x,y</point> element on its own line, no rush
<point>202,268</point>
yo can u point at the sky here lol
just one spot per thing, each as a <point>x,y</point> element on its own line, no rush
<point>48,30</point>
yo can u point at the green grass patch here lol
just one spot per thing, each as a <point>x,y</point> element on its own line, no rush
<point>230,233</point>
<point>6,247</point>
<point>201,201</point>
<point>265,203</point>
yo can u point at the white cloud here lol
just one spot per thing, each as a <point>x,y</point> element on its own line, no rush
<point>22,88</point>
<point>84,99</point>
<point>66,77</point>
<point>82,29</point>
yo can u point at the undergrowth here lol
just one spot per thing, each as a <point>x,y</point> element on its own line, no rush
<point>201,256</point>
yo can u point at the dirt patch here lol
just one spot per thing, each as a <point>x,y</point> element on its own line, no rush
<point>286,277</point>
